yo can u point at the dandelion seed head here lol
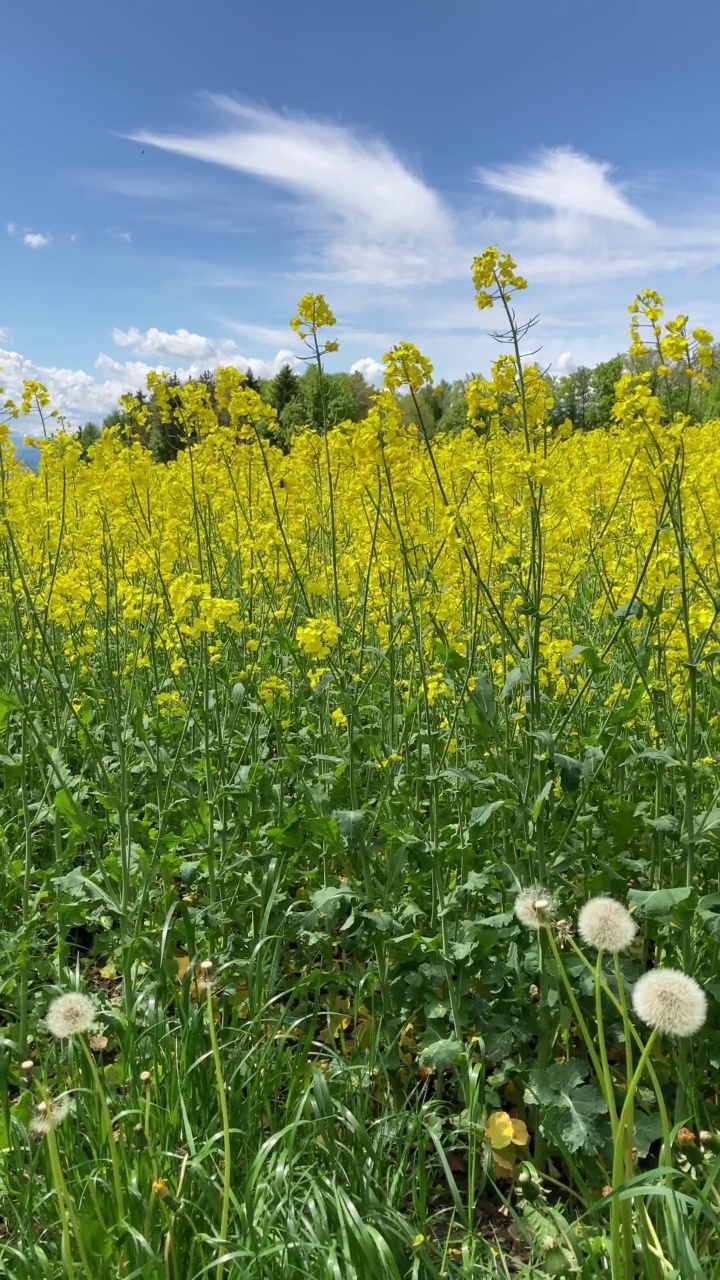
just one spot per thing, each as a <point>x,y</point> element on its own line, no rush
<point>670,1001</point>
<point>71,1015</point>
<point>49,1115</point>
<point>534,908</point>
<point>605,924</point>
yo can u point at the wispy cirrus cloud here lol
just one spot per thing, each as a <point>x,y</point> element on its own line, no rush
<point>568,182</point>
<point>378,220</point>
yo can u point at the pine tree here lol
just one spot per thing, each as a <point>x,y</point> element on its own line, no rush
<point>285,387</point>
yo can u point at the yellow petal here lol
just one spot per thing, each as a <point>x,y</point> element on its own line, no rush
<point>499,1129</point>
<point>520,1135</point>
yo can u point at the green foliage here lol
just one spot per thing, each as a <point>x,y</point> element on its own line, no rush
<point>586,396</point>
<point>570,1108</point>
<point>321,401</point>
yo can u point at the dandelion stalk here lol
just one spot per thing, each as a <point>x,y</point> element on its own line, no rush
<point>206,968</point>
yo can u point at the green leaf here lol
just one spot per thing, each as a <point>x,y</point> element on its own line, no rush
<point>328,901</point>
<point>82,888</point>
<point>666,824</point>
<point>570,1107</point>
<point>482,699</point>
<point>571,772</point>
<point>622,714</point>
<point>545,740</point>
<point>592,763</point>
<point>657,903</point>
<point>480,815</point>
<point>450,658</point>
<point>590,657</point>
<point>8,703</point>
<point>71,811</point>
<point>351,823</point>
<point>441,1054</point>
<point>661,757</point>
<point>709,912</point>
<point>632,610</point>
<point>513,678</point>
<point>708,825</point>
<point>647,1130</point>
<point>541,799</point>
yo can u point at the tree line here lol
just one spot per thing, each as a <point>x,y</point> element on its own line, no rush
<point>319,401</point>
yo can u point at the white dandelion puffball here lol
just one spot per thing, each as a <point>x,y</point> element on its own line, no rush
<point>535,908</point>
<point>670,1001</point>
<point>50,1115</point>
<point>604,923</point>
<point>70,1015</point>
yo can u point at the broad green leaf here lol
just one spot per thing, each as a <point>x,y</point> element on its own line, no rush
<point>70,810</point>
<point>632,610</point>
<point>514,678</point>
<point>482,699</point>
<point>570,1108</point>
<point>441,1054</point>
<point>656,903</point>
<point>622,714</point>
<point>666,824</point>
<point>351,823</point>
<point>647,1130</point>
<point>329,900</point>
<point>571,772</point>
<point>480,815</point>
<point>8,703</point>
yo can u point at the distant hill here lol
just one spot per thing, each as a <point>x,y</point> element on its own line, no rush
<point>28,455</point>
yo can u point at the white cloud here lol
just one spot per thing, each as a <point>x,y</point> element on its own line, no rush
<point>371,370</point>
<point>565,363</point>
<point>567,181</point>
<point>123,236</point>
<point>11,228</point>
<point>36,240</point>
<point>378,220</point>
<point>156,342</point>
<point>78,395</point>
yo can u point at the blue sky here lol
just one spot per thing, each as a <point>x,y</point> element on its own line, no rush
<point>176,175</point>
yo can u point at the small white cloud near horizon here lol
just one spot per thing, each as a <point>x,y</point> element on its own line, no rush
<point>79,395</point>
<point>124,236</point>
<point>12,228</point>
<point>371,370</point>
<point>36,240</point>
<point>568,182</point>
<point>565,363</point>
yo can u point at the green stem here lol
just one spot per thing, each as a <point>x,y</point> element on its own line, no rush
<point>618,1253</point>
<point>227,1155</point>
<point>65,1204</point>
<point>108,1125</point>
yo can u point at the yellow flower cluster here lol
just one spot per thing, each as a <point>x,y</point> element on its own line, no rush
<point>377,535</point>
